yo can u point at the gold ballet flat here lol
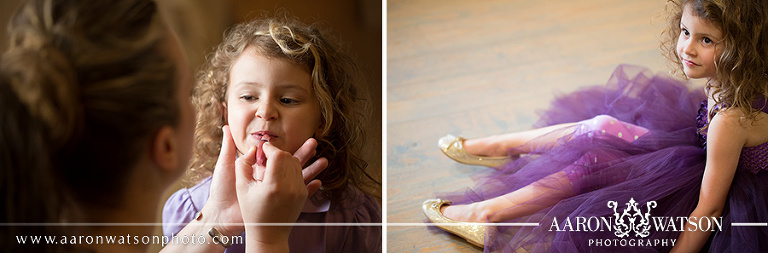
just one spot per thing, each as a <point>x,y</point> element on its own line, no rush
<point>474,233</point>
<point>453,147</point>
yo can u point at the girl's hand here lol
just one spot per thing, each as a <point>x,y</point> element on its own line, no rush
<point>275,192</point>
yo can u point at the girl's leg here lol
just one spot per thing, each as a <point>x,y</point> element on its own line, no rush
<point>499,145</point>
<point>547,137</point>
<point>514,204</point>
<point>540,194</point>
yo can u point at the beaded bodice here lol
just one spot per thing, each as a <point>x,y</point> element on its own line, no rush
<point>753,158</point>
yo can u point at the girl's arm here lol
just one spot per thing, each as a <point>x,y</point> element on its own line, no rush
<point>725,139</point>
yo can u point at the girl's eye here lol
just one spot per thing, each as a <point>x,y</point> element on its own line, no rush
<point>707,41</point>
<point>289,101</point>
<point>685,32</point>
<point>248,97</point>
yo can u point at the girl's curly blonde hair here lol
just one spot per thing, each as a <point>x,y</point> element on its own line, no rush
<point>335,83</point>
<point>742,67</point>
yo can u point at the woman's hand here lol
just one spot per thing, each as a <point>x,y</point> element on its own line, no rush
<point>222,210</point>
<point>275,192</point>
<point>222,204</point>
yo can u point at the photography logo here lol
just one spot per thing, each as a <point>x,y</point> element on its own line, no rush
<point>632,224</point>
<point>632,219</point>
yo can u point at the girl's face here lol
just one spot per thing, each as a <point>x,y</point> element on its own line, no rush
<point>697,45</point>
<point>270,99</point>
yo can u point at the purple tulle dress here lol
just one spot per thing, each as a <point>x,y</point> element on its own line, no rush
<point>627,189</point>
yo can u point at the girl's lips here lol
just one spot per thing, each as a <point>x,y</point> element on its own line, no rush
<point>689,63</point>
<point>264,135</point>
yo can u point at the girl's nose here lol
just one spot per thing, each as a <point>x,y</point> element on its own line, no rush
<point>266,110</point>
<point>689,48</point>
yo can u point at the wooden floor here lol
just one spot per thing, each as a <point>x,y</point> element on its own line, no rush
<point>477,68</point>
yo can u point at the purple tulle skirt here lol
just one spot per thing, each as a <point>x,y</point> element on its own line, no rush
<point>621,196</point>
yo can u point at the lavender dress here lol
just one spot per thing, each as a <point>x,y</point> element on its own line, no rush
<point>624,187</point>
<point>358,207</point>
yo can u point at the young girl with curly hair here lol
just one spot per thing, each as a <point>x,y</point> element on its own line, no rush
<point>644,140</point>
<point>280,83</point>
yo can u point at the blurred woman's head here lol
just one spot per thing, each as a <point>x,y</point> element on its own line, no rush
<point>110,88</point>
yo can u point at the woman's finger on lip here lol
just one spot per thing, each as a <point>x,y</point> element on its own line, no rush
<point>261,158</point>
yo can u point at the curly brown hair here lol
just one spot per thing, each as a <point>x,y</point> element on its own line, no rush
<point>741,75</point>
<point>335,83</point>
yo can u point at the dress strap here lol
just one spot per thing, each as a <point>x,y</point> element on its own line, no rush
<point>760,104</point>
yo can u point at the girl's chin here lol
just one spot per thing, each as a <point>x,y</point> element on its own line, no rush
<point>691,74</point>
<point>695,74</point>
